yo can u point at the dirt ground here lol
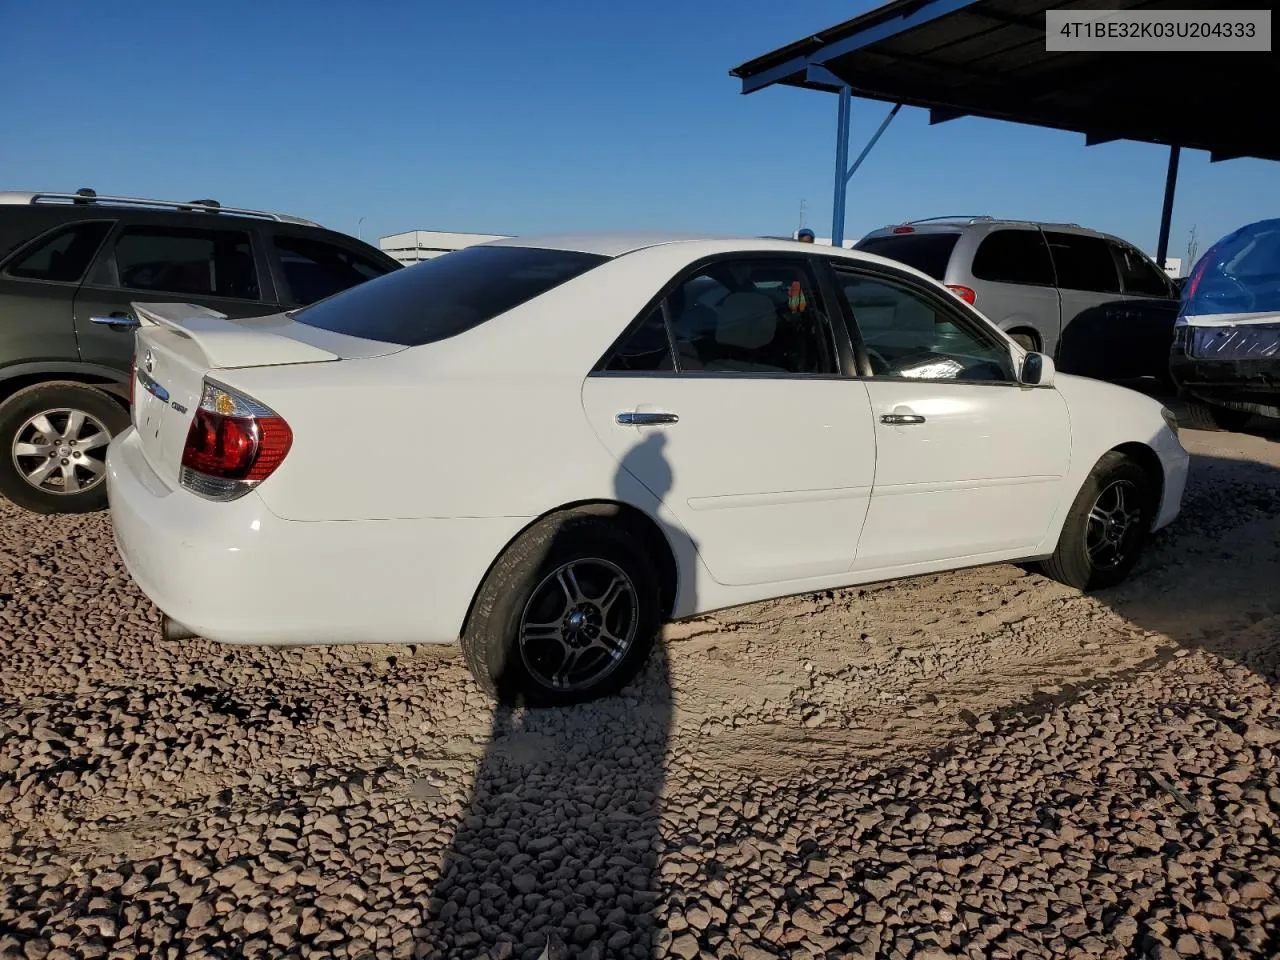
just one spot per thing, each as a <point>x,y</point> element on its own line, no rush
<point>979,764</point>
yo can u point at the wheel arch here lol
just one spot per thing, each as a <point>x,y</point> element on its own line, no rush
<point>1149,461</point>
<point>639,523</point>
<point>1021,327</point>
<point>20,376</point>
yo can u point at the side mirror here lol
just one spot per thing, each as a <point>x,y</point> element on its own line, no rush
<point>1037,370</point>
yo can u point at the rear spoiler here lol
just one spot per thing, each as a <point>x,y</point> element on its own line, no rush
<point>255,342</point>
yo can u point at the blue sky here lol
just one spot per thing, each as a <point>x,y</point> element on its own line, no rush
<point>517,118</point>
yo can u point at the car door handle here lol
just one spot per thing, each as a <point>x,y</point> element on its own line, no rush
<point>901,419</point>
<point>633,418</point>
<point>119,321</point>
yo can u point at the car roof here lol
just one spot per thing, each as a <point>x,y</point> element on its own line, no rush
<point>605,244</point>
<point>617,244</point>
<point>965,224</point>
<point>80,203</point>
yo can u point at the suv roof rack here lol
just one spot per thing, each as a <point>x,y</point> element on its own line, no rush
<point>986,218</point>
<point>971,218</point>
<point>86,195</point>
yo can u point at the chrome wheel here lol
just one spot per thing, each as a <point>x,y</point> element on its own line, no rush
<point>1114,526</point>
<point>62,451</point>
<point>578,625</point>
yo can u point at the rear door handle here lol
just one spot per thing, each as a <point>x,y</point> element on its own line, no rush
<point>901,419</point>
<point>633,418</point>
<point>120,321</point>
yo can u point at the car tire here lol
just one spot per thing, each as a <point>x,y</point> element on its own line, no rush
<point>1208,416</point>
<point>1025,341</point>
<point>1103,537</point>
<point>65,408</point>
<point>568,613</point>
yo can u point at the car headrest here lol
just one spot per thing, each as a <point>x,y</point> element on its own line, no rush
<point>747,320</point>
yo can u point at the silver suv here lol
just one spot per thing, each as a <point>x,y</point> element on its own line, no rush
<point>1096,304</point>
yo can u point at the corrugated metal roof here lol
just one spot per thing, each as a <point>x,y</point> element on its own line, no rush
<point>987,58</point>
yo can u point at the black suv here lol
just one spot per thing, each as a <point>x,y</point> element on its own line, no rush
<point>71,264</point>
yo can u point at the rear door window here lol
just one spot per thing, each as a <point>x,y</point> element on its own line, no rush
<point>1140,276</point>
<point>314,269</point>
<point>1014,256</point>
<point>1083,262</point>
<point>198,263</point>
<point>448,295</point>
<point>930,253</point>
<point>62,256</point>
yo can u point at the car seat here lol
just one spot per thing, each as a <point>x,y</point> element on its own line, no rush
<point>747,322</point>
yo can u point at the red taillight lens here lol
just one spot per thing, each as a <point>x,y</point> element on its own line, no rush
<point>233,443</point>
<point>904,229</point>
<point>236,448</point>
<point>1198,274</point>
<point>964,293</point>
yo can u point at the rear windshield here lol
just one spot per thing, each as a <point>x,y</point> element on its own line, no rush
<point>927,252</point>
<point>1238,274</point>
<point>447,295</point>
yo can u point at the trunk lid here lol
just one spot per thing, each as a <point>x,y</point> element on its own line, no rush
<point>177,344</point>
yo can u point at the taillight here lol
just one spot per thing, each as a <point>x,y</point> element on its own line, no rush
<point>904,229</point>
<point>1198,273</point>
<point>233,444</point>
<point>964,293</point>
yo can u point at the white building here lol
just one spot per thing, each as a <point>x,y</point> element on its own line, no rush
<point>1172,266</point>
<point>418,245</point>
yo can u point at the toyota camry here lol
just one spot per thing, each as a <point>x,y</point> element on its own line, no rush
<point>545,448</point>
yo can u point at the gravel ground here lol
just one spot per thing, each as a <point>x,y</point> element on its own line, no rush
<point>982,764</point>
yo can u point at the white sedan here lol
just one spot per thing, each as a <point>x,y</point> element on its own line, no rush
<point>548,447</point>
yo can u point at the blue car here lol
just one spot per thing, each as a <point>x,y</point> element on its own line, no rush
<point>1226,345</point>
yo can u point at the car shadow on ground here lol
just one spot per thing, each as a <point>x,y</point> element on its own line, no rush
<point>556,853</point>
<point>1206,583</point>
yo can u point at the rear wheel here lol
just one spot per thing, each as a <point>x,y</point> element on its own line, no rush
<point>1106,528</point>
<point>1207,416</point>
<point>568,613</point>
<point>54,438</point>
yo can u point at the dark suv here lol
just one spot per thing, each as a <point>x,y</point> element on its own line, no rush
<point>71,264</point>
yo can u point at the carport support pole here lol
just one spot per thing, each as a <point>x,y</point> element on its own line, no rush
<point>1166,215</point>
<point>842,164</point>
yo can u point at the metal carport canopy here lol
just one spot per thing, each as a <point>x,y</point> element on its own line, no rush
<point>987,58</point>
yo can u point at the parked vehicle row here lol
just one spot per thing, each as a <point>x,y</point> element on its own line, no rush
<point>1103,309</point>
<point>1095,303</point>
<point>71,265</point>
<point>548,446</point>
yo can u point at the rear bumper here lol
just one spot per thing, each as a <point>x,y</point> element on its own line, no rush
<point>237,573</point>
<point>1237,367</point>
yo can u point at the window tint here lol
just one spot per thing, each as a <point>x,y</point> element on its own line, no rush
<point>62,257</point>
<point>1014,256</point>
<point>1083,263</point>
<point>208,263</point>
<point>1139,275</point>
<point>647,348</point>
<point>906,334</point>
<point>314,269</point>
<point>445,296</point>
<point>927,252</point>
<point>751,316</point>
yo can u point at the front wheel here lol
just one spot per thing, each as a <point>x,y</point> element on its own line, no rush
<point>568,613</point>
<point>53,447</point>
<point>1106,528</point>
